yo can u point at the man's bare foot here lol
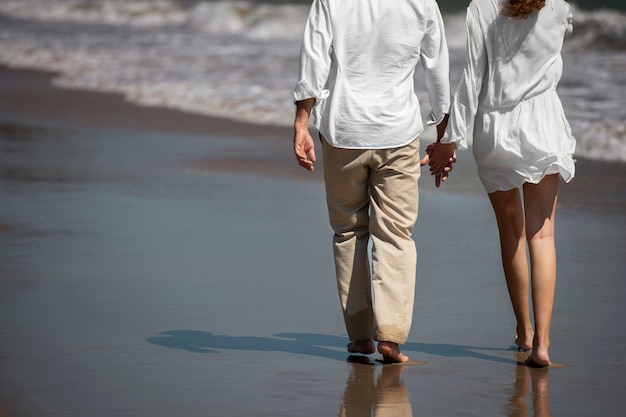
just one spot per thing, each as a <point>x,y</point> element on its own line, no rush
<point>391,352</point>
<point>365,347</point>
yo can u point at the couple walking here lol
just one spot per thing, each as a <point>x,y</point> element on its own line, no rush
<point>357,63</point>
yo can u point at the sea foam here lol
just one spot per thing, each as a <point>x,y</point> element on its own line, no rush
<point>239,59</point>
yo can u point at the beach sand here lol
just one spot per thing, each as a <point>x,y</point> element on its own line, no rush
<point>156,263</point>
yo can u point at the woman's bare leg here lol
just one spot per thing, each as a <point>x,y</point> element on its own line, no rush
<point>509,213</point>
<point>540,206</point>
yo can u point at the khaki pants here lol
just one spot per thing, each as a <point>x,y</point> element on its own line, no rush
<point>372,195</point>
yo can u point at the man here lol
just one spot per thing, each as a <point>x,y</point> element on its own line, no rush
<point>357,63</point>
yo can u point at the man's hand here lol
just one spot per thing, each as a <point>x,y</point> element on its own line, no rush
<point>303,145</point>
<point>304,148</point>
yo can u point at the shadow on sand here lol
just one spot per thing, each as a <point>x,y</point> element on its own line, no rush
<point>311,344</point>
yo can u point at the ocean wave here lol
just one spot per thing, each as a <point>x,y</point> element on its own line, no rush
<point>602,142</point>
<point>109,12</point>
<point>592,29</point>
<point>227,17</point>
<point>259,21</point>
<point>600,29</point>
<point>239,59</point>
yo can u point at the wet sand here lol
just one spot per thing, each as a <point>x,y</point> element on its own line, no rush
<point>155,263</point>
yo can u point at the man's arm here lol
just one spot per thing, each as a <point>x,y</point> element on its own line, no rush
<point>436,63</point>
<point>315,62</point>
<point>303,144</point>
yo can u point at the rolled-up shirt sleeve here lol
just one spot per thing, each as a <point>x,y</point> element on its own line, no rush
<point>436,64</point>
<point>465,101</point>
<point>315,54</point>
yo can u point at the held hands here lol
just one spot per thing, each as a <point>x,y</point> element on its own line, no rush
<point>440,157</point>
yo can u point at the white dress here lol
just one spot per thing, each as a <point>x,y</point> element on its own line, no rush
<point>508,94</point>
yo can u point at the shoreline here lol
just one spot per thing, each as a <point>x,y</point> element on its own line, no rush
<point>28,97</point>
<point>30,93</point>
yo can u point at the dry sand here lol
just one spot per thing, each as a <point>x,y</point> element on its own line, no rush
<point>155,263</point>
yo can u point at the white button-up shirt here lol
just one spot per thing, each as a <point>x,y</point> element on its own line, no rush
<point>358,59</point>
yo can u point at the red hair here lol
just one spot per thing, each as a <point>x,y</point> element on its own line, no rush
<point>520,9</point>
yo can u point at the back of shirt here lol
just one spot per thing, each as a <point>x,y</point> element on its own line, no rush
<point>358,59</point>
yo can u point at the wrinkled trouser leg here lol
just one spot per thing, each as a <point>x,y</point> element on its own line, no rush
<point>373,194</point>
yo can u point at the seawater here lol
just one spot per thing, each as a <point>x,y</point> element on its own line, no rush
<point>239,59</point>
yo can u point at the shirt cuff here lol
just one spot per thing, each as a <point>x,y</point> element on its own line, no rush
<point>460,142</point>
<point>434,120</point>
<point>457,128</point>
<point>302,91</point>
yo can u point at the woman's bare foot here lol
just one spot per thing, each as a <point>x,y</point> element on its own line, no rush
<point>523,344</point>
<point>365,347</point>
<point>391,352</point>
<point>539,358</point>
<point>524,338</point>
<point>533,362</point>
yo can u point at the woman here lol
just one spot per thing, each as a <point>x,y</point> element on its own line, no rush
<point>522,142</point>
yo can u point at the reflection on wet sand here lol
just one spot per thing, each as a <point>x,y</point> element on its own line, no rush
<point>365,395</point>
<point>533,382</point>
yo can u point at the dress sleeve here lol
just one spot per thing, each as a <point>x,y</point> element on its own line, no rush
<point>465,101</point>
<point>569,22</point>
<point>315,54</point>
<point>436,64</point>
